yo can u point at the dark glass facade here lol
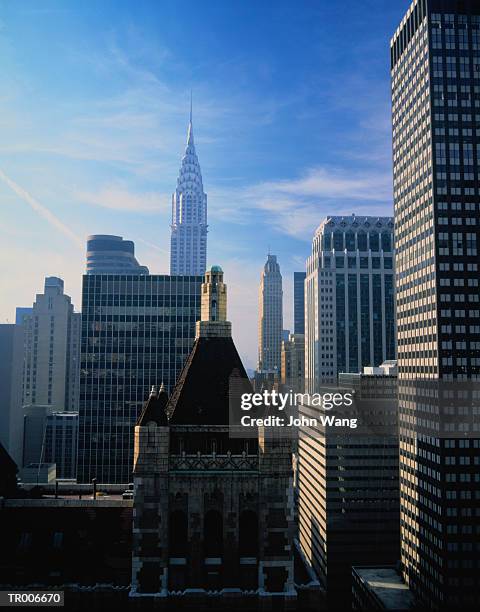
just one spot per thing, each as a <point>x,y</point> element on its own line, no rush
<point>137,331</point>
<point>299,302</point>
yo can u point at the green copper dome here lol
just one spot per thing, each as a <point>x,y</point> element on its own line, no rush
<point>216,269</point>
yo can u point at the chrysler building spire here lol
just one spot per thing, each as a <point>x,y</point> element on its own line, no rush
<point>188,248</point>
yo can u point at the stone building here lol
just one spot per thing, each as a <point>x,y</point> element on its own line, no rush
<point>213,513</point>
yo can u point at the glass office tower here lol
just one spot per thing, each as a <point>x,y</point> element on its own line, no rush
<point>435,71</point>
<point>349,298</point>
<point>136,332</point>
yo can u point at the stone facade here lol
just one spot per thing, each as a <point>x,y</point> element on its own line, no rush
<point>213,513</point>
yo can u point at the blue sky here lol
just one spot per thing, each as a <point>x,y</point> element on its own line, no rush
<point>291,123</point>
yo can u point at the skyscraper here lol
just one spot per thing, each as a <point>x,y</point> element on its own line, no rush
<point>51,350</point>
<point>435,71</point>
<point>348,491</point>
<point>270,321</point>
<point>188,247</point>
<point>349,295</point>
<point>7,339</point>
<point>112,255</point>
<point>136,332</point>
<point>299,302</point>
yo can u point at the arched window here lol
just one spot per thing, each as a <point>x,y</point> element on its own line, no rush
<point>213,534</point>
<point>178,534</point>
<point>248,534</point>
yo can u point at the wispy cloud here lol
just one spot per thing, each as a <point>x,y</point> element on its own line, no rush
<point>118,197</point>
<point>296,206</point>
<point>40,209</point>
<point>327,182</point>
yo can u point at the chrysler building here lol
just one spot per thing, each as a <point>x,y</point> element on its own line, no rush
<point>188,247</point>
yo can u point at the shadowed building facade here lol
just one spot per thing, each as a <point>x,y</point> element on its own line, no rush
<point>435,72</point>
<point>212,512</point>
<point>136,330</point>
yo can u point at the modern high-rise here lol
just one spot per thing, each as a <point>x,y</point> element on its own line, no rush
<point>349,295</point>
<point>299,302</point>
<point>51,438</point>
<point>435,71</point>
<point>12,348</point>
<point>136,332</point>
<point>347,484</point>
<point>188,247</point>
<point>112,255</point>
<point>61,442</point>
<point>51,350</point>
<point>270,322</point>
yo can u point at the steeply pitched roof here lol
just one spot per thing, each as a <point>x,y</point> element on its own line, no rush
<point>201,395</point>
<point>154,408</point>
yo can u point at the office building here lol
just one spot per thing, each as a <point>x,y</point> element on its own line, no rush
<point>293,363</point>
<point>299,302</point>
<point>51,350</point>
<point>136,332</point>
<point>38,473</point>
<point>222,517</point>
<point>348,483</point>
<point>34,419</point>
<point>188,247</point>
<point>108,254</point>
<point>435,71</point>
<point>15,363</point>
<point>61,443</point>
<point>270,322</point>
<point>6,361</point>
<point>51,438</point>
<point>349,298</point>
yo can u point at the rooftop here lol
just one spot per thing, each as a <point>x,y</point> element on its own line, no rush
<point>387,585</point>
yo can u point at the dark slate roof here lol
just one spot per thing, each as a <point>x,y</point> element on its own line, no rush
<point>201,395</point>
<point>8,472</point>
<point>154,409</point>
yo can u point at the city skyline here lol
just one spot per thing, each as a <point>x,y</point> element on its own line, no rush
<point>94,128</point>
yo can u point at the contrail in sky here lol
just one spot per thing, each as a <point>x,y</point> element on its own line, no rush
<point>41,209</point>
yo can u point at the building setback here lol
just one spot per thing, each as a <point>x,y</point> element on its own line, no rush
<point>435,72</point>
<point>51,350</point>
<point>349,298</point>
<point>136,332</point>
